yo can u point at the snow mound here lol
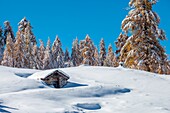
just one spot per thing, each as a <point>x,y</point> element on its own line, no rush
<point>90,89</point>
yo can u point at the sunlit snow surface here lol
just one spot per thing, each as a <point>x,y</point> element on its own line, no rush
<point>90,90</point>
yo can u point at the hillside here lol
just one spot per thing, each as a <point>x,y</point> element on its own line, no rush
<point>90,89</point>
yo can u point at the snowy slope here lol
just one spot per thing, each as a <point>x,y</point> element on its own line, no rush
<point>90,89</point>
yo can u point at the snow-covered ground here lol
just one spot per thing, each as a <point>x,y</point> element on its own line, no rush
<point>90,89</point>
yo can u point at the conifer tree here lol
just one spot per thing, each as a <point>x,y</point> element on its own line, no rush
<point>47,62</point>
<point>18,53</point>
<point>96,57</point>
<point>88,51</point>
<point>66,56</point>
<point>25,24</point>
<point>1,44</point>
<point>142,49</point>
<point>36,62</point>
<point>8,29</point>
<point>8,53</point>
<point>110,60</point>
<point>29,41</point>
<point>58,55</point>
<point>76,57</point>
<point>67,60</point>
<point>121,41</point>
<point>41,54</point>
<point>102,55</point>
<point>27,46</point>
<point>81,47</point>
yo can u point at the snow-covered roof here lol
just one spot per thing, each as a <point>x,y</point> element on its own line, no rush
<point>43,74</point>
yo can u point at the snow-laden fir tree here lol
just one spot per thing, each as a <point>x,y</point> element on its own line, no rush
<point>88,51</point>
<point>7,30</point>
<point>120,42</point>
<point>67,60</point>
<point>8,53</point>
<point>36,62</point>
<point>41,54</point>
<point>96,57</point>
<point>142,49</point>
<point>18,53</point>
<point>1,44</point>
<point>76,57</point>
<point>102,54</point>
<point>110,60</point>
<point>81,46</point>
<point>47,62</point>
<point>22,25</point>
<point>58,55</point>
<point>27,46</point>
<point>66,55</point>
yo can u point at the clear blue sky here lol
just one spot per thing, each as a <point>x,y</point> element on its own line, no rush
<point>71,18</point>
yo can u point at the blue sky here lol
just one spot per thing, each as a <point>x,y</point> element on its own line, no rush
<point>71,18</point>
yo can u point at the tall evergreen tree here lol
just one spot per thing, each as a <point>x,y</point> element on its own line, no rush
<point>96,57</point>
<point>8,53</point>
<point>47,62</point>
<point>25,24</point>
<point>88,51</point>
<point>110,60</point>
<point>8,29</point>
<point>41,54</point>
<point>18,53</point>
<point>102,55</point>
<point>1,44</point>
<point>28,46</point>
<point>67,59</point>
<point>58,55</point>
<point>142,49</point>
<point>36,62</point>
<point>76,58</point>
<point>25,29</point>
<point>66,55</point>
<point>81,47</point>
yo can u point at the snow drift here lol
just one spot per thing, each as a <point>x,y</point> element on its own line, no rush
<point>90,89</point>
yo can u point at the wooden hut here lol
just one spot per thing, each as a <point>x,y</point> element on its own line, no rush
<point>54,77</point>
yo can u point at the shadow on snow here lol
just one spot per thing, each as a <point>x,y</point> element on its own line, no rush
<point>73,84</point>
<point>2,109</point>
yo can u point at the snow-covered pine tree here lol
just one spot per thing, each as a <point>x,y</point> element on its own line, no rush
<point>102,54</point>
<point>8,53</point>
<point>66,55</point>
<point>88,51</point>
<point>28,46</point>
<point>7,30</point>
<point>22,25</point>
<point>58,55</point>
<point>47,62</point>
<point>36,61</point>
<point>25,29</point>
<point>41,54</point>
<point>142,49</point>
<point>96,57</point>
<point>1,44</point>
<point>76,58</point>
<point>120,42</point>
<point>67,60</point>
<point>110,60</point>
<point>18,52</point>
<point>81,46</point>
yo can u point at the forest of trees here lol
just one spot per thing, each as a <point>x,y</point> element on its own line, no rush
<point>138,45</point>
<point>22,51</point>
